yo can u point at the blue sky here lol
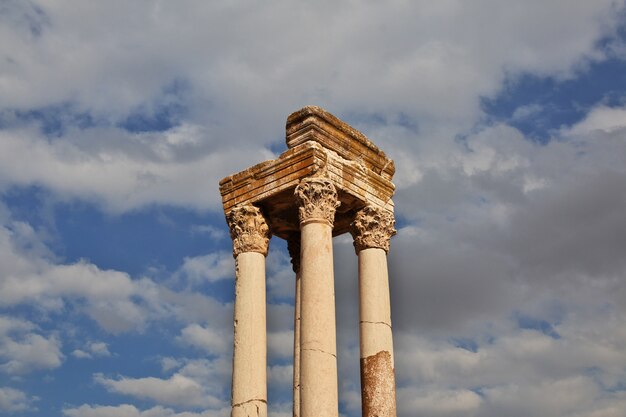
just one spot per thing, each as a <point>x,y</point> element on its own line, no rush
<point>507,124</point>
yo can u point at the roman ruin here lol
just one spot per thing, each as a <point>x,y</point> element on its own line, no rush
<point>331,180</point>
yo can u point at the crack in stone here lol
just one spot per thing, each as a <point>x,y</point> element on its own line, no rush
<point>376,322</point>
<point>322,351</point>
<point>249,401</point>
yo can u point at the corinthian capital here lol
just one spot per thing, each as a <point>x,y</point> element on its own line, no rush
<point>317,201</point>
<point>372,228</point>
<point>248,229</point>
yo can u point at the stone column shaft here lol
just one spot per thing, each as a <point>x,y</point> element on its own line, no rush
<point>317,200</point>
<point>372,230</point>
<point>294,251</point>
<point>250,235</point>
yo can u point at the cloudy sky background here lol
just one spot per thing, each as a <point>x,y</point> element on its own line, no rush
<point>507,122</point>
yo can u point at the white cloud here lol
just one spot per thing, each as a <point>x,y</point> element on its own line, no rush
<point>603,119</point>
<point>22,350</point>
<point>213,267</point>
<point>213,232</point>
<point>280,344</point>
<point>199,383</point>
<point>280,377</point>
<point>442,59</point>
<point>438,403</point>
<point>99,349</point>
<point>525,112</point>
<point>28,279</point>
<point>168,363</point>
<point>177,390</point>
<point>81,354</point>
<point>29,275</point>
<point>91,350</point>
<point>128,410</point>
<point>281,280</point>
<point>122,172</point>
<point>206,338</point>
<point>13,400</point>
<point>513,371</point>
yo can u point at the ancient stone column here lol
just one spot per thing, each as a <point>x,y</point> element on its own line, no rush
<point>250,234</point>
<point>317,200</point>
<point>293,245</point>
<point>372,229</point>
<point>326,161</point>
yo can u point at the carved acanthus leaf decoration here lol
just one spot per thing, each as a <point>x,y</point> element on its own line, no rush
<point>372,228</point>
<point>317,200</point>
<point>248,229</point>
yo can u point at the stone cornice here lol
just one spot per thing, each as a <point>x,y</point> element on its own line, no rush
<point>262,181</point>
<point>248,229</point>
<point>317,200</point>
<point>313,123</point>
<point>372,228</point>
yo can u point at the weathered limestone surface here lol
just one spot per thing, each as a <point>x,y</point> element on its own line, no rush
<point>249,390</point>
<point>250,236</point>
<point>314,124</point>
<point>248,230</point>
<point>378,392</point>
<point>317,200</point>
<point>372,230</point>
<point>331,180</point>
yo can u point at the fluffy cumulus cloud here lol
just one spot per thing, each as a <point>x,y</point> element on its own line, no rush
<point>23,349</point>
<point>280,344</point>
<point>507,273</point>
<point>116,175</point>
<point>212,267</point>
<point>177,390</point>
<point>31,275</point>
<point>423,62</point>
<point>205,338</point>
<point>196,384</point>
<point>517,221</point>
<point>13,400</point>
<point>92,349</point>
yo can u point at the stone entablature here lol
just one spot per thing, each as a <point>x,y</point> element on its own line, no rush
<point>363,180</point>
<point>314,124</point>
